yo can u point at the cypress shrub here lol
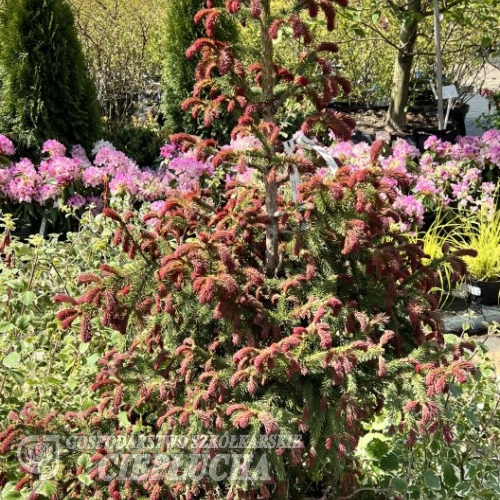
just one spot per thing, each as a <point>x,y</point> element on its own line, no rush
<point>179,72</point>
<point>46,91</point>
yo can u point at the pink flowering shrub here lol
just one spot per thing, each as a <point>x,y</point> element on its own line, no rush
<point>73,179</point>
<point>445,175</point>
<point>461,175</point>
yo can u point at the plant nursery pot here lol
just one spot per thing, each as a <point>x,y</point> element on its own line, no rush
<point>360,136</point>
<point>445,135</point>
<point>24,232</point>
<point>457,116</point>
<point>429,219</point>
<point>486,293</point>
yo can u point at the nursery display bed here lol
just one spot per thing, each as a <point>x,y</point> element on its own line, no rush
<point>475,318</point>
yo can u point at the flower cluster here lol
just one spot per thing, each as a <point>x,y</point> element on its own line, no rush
<point>73,179</point>
<point>444,175</point>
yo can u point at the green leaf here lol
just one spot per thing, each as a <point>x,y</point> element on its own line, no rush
<point>92,360</point>
<point>84,460</point>
<point>27,298</point>
<point>377,448</point>
<point>375,17</point>
<point>471,417</point>
<point>455,390</point>
<point>85,479</point>
<point>47,489</point>
<point>12,360</point>
<point>431,480</point>
<point>7,326</point>
<point>389,462</point>
<point>123,419</point>
<point>399,485</point>
<point>11,495</point>
<point>451,475</point>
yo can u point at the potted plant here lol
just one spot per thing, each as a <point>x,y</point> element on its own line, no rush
<point>480,231</point>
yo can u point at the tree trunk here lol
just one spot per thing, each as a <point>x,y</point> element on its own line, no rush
<point>396,117</point>
<point>271,187</point>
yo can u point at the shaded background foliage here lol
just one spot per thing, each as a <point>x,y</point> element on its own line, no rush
<point>46,90</point>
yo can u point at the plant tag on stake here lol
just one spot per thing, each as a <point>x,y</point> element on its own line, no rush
<point>294,183</point>
<point>301,140</point>
<point>474,290</point>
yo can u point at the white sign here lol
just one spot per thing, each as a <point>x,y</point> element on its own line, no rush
<point>474,290</point>
<point>450,92</point>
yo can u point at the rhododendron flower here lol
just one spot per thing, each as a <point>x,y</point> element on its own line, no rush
<point>100,145</point>
<point>493,154</point>
<point>426,187</point>
<point>168,151</point>
<point>96,202</point>
<point>79,153</point>
<point>123,183</point>
<point>5,176</point>
<point>244,143</point>
<point>76,200</point>
<point>411,207</point>
<point>93,177</point>
<point>6,146</point>
<point>63,170</point>
<point>491,137</point>
<point>24,181</point>
<point>155,207</point>
<point>54,148</point>
<point>47,192</point>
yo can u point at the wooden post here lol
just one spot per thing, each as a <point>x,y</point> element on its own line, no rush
<point>439,64</point>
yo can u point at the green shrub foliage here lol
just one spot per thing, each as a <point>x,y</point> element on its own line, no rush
<point>178,72</point>
<point>46,91</point>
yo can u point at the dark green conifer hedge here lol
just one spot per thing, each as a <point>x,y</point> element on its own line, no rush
<point>46,91</point>
<point>179,72</point>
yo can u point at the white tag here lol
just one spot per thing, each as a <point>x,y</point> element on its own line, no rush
<point>450,92</point>
<point>307,143</point>
<point>294,183</point>
<point>474,290</point>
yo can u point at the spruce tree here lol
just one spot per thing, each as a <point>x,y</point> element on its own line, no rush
<point>46,90</point>
<point>179,72</point>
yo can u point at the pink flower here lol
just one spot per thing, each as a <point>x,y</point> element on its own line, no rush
<point>93,177</point>
<point>47,192</point>
<point>24,181</point>
<point>244,143</point>
<point>76,201</point>
<point>6,146</point>
<point>79,153</point>
<point>97,202</point>
<point>54,148</point>
<point>61,169</point>
<point>411,207</point>
<point>426,187</point>
<point>123,183</point>
<point>168,151</point>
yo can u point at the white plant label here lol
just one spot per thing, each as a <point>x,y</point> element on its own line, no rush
<point>450,92</point>
<point>474,290</point>
<point>294,183</point>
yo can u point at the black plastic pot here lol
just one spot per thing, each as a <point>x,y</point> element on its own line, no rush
<point>484,292</point>
<point>457,117</point>
<point>363,137</point>
<point>410,138</point>
<point>23,233</point>
<point>449,135</point>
